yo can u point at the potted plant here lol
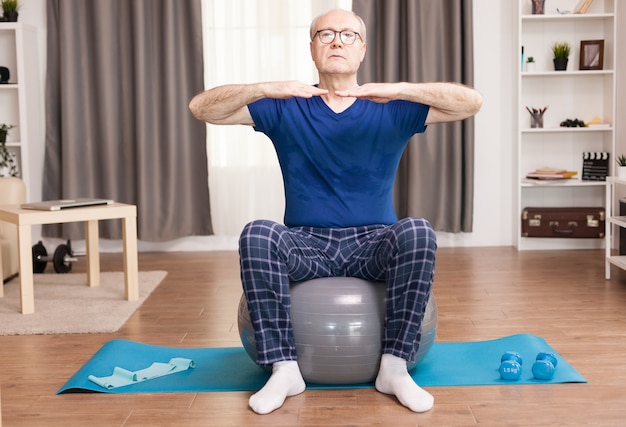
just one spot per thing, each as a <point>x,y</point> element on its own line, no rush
<point>530,64</point>
<point>7,159</point>
<point>621,170</point>
<point>561,51</point>
<point>10,9</point>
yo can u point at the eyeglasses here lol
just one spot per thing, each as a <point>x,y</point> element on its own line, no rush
<point>346,36</point>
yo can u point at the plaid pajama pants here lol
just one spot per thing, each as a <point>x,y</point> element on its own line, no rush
<point>272,255</point>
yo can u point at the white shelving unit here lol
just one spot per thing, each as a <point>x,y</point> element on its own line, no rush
<point>20,103</point>
<point>570,94</point>
<point>613,223</point>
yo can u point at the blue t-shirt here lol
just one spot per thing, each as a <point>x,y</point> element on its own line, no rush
<point>338,168</point>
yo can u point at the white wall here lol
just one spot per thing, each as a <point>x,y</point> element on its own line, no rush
<point>495,56</point>
<point>494,78</point>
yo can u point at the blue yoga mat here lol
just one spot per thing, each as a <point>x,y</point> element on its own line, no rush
<point>230,369</point>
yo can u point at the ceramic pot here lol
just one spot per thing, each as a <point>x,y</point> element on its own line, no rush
<point>560,64</point>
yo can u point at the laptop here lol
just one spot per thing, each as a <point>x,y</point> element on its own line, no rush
<point>57,205</point>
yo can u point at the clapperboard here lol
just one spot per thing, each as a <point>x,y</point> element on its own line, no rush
<point>595,166</point>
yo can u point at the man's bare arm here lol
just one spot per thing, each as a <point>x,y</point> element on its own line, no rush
<point>225,105</point>
<point>448,101</point>
<point>228,105</point>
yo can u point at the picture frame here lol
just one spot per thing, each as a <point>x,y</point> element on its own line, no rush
<point>591,55</point>
<point>11,166</point>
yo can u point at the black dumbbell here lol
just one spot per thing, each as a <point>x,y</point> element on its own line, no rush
<point>62,258</point>
<point>40,258</point>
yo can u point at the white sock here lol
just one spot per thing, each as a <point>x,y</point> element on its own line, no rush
<point>286,380</point>
<point>393,378</point>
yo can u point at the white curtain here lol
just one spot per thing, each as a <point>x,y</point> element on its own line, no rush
<point>245,42</point>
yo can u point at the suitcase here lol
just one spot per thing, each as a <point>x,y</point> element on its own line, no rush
<point>563,222</point>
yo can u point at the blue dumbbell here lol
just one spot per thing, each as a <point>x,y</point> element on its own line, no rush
<point>511,366</point>
<point>545,366</point>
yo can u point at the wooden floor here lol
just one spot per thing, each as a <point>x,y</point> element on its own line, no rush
<point>482,293</point>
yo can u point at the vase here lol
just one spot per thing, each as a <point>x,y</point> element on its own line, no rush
<point>621,172</point>
<point>560,64</point>
<point>530,67</point>
<point>536,121</point>
<point>538,7</point>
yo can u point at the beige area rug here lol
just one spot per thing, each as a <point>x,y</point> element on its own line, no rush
<point>64,304</point>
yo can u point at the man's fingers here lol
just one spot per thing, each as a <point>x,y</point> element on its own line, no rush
<point>369,95</point>
<point>301,90</point>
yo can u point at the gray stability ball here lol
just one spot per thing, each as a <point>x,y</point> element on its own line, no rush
<point>338,327</point>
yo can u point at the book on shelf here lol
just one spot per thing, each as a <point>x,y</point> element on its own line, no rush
<point>549,182</point>
<point>585,6</point>
<point>548,173</point>
<point>597,123</point>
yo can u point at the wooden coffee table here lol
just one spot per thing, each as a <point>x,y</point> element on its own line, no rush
<point>25,218</point>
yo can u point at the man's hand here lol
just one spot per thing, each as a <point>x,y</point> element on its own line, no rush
<point>447,101</point>
<point>288,89</point>
<point>228,104</point>
<point>376,92</point>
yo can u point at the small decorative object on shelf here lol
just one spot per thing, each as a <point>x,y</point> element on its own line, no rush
<point>10,10</point>
<point>561,51</point>
<point>4,131</point>
<point>621,163</point>
<point>591,55</point>
<point>530,64</point>
<point>5,75</point>
<point>539,7</point>
<point>8,166</point>
<point>569,123</point>
<point>595,166</point>
<point>536,116</point>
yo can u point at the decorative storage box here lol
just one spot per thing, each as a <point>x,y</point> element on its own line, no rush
<point>563,222</point>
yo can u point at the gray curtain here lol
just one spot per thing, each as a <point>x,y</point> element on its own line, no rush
<point>427,41</point>
<point>120,75</point>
